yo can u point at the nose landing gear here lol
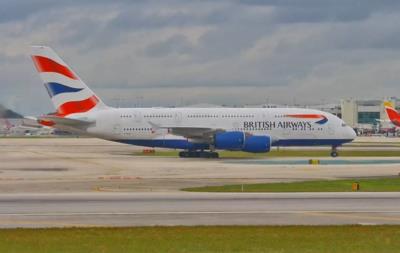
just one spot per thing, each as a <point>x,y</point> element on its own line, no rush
<point>334,152</point>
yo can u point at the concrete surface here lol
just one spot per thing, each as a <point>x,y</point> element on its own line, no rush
<point>180,208</point>
<point>50,182</point>
<point>86,165</point>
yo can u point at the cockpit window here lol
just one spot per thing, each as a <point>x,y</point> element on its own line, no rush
<point>344,124</point>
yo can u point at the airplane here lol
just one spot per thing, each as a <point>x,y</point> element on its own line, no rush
<point>12,128</point>
<point>6,124</point>
<point>392,113</point>
<point>198,132</point>
<point>24,126</point>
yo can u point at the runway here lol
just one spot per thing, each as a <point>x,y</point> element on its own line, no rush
<point>180,208</point>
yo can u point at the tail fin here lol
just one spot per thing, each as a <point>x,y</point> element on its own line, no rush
<point>391,112</point>
<point>67,91</point>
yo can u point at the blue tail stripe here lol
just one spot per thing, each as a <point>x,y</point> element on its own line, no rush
<point>57,88</point>
<point>322,121</point>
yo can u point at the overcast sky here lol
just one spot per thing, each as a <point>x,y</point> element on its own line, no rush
<point>180,52</point>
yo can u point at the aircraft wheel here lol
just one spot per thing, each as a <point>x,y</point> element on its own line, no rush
<point>334,152</point>
<point>183,154</point>
<point>214,155</point>
<point>195,154</point>
<point>204,154</point>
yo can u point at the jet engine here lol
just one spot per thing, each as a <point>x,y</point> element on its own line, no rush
<point>236,140</point>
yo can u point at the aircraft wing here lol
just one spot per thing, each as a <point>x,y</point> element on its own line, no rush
<point>206,134</point>
<point>197,133</point>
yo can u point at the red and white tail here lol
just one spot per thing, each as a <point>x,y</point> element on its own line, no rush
<point>392,114</point>
<point>67,91</point>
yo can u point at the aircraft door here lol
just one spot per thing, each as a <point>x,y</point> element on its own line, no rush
<point>137,117</point>
<point>178,117</point>
<point>117,129</point>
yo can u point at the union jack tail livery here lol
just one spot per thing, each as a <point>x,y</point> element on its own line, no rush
<point>67,91</point>
<point>392,114</point>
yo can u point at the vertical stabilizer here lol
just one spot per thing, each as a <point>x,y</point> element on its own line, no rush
<point>391,112</point>
<point>67,91</point>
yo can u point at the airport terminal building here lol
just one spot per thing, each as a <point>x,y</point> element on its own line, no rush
<point>365,115</point>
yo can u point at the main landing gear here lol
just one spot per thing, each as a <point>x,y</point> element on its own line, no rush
<point>334,152</point>
<point>198,154</point>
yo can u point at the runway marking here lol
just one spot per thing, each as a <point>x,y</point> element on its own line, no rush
<point>338,212</point>
<point>49,223</point>
<point>350,216</point>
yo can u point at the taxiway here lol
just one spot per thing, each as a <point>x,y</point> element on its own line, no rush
<point>151,209</point>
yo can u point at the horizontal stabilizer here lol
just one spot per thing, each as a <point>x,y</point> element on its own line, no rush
<point>29,121</point>
<point>64,123</point>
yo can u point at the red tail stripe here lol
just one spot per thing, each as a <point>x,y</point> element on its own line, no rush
<point>305,116</point>
<point>392,113</point>
<point>44,64</point>
<point>77,106</point>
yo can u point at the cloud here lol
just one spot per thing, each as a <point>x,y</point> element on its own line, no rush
<point>221,52</point>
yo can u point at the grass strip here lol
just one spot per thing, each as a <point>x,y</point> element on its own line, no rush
<point>285,153</point>
<point>362,239</point>
<point>366,185</point>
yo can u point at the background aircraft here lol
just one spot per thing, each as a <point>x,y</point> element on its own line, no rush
<point>24,126</point>
<point>392,113</point>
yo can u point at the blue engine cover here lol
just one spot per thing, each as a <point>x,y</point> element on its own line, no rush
<point>239,141</point>
<point>257,144</point>
<point>229,140</point>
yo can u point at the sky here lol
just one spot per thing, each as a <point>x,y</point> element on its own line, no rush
<point>184,52</point>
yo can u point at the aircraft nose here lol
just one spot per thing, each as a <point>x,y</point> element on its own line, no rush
<point>350,133</point>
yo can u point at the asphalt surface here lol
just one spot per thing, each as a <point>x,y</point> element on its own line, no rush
<point>179,208</point>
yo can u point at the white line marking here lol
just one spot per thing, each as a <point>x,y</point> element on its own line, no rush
<point>198,212</point>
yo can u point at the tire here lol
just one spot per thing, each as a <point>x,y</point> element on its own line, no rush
<point>204,155</point>
<point>192,154</point>
<point>183,154</point>
<point>214,155</point>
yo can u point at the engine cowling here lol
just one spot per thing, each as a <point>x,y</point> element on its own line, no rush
<point>257,144</point>
<point>229,140</point>
<point>240,141</point>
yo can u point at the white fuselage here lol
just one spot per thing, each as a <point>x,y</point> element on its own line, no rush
<point>136,125</point>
